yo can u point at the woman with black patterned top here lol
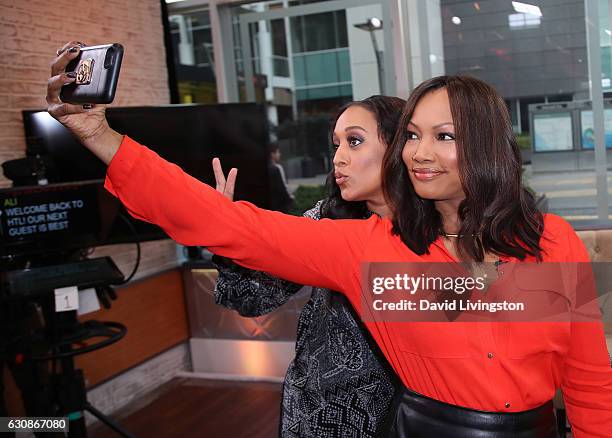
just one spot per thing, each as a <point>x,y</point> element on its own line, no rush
<point>339,384</point>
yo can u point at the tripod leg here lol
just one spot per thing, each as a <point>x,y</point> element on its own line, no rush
<point>76,425</point>
<point>3,411</point>
<point>108,421</point>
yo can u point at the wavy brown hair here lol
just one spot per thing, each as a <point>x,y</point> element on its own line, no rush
<point>387,111</point>
<point>498,215</point>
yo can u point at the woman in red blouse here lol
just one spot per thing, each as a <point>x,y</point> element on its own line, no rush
<point>456,147</point>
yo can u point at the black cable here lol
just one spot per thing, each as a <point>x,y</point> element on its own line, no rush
<point>133,229</point>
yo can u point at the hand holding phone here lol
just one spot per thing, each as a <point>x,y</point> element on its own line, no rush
<point>86,121</point>
<point>97,73</point>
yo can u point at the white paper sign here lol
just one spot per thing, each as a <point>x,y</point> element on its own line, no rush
<point>88,301</point>
<point>553,132</point>
<point>66,299</point>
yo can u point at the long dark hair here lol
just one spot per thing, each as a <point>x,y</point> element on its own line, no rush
<point>387,111</point>
<point>498,214</point>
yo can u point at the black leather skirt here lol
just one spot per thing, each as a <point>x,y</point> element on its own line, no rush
<point>415,415</point>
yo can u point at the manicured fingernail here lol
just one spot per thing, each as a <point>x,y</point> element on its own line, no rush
<point>73,49</point>
<point>87,106</point>
<point>71,74</point>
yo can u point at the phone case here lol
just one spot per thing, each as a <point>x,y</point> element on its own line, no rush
<point>97,73</point>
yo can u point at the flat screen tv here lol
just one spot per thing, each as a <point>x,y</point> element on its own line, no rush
<point>187,135</point>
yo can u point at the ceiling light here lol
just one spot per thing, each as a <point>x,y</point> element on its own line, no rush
<point>526,8</point>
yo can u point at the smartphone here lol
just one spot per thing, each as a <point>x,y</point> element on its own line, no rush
<point>97,73</point>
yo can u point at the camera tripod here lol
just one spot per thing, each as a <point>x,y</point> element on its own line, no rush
<point>63,338</point>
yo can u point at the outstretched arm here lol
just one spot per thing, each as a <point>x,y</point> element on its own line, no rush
<point>249,292</point>
<point>322,253</point>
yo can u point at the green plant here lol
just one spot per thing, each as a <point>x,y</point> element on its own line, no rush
<point>524,141</point>
<point>305,197</point>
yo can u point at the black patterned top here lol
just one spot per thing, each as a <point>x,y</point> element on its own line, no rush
<point>339,384</point>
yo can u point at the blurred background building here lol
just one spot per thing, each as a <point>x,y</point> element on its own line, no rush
<point>304,58</point>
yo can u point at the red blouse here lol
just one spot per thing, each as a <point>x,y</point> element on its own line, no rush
<point>503,367</point>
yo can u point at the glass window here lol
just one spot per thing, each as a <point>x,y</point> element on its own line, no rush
<point>193,54</point>
<point>319,32</point>
<point>537,58</point>
<point>279,45</point>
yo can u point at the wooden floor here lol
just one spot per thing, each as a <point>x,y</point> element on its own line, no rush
<point>202,408</point>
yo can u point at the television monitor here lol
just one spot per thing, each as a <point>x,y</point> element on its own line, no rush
<point>58,218</point>
<point>187,135</point>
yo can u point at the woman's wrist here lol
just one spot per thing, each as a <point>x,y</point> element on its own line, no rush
<point>104,143</point>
